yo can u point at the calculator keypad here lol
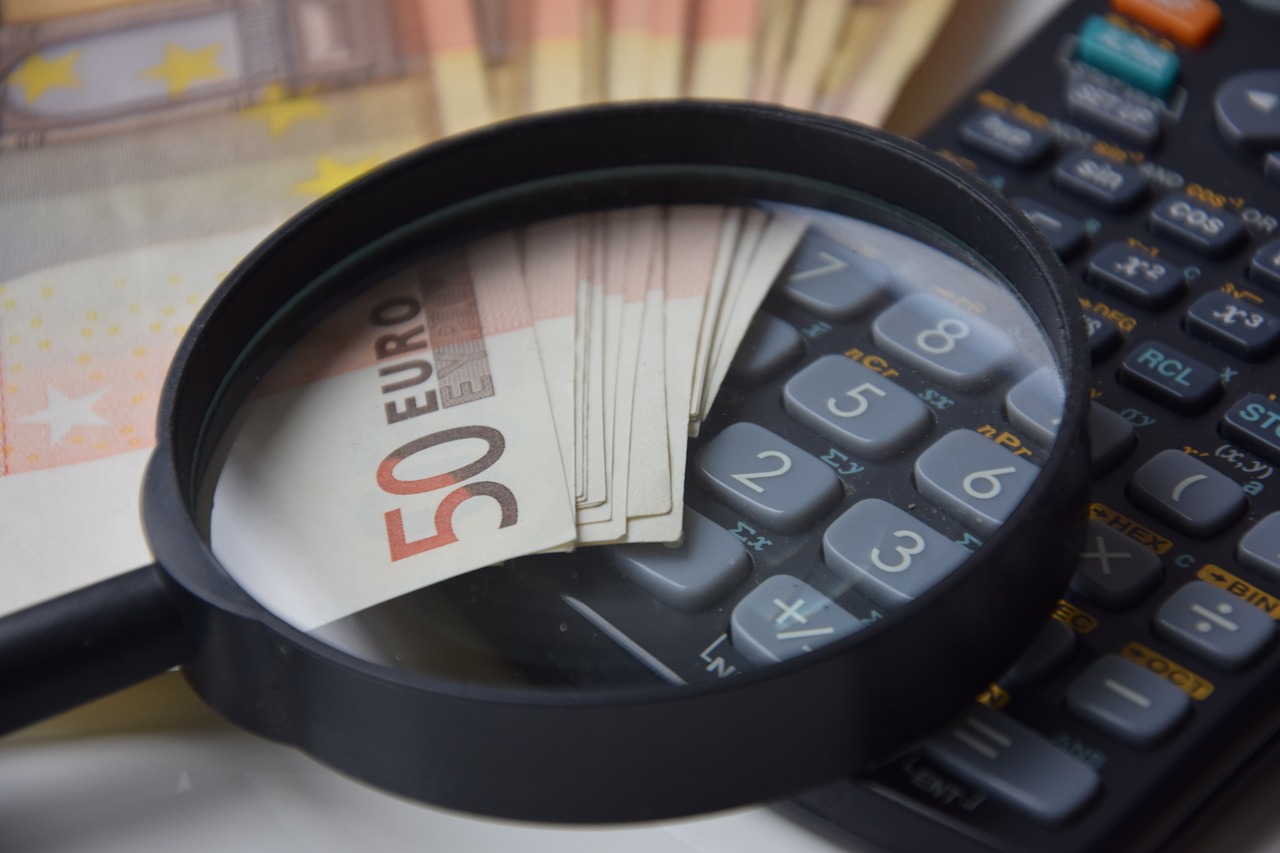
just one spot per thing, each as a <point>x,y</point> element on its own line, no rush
<point>1162,196</point>
<point>806,517</point>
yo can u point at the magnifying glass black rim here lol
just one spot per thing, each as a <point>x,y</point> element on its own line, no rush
<point>626,755</point>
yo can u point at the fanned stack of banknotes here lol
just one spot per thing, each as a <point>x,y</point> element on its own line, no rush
<point>146,146</point>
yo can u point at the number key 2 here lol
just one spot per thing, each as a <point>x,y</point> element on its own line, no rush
<point>767,478</point>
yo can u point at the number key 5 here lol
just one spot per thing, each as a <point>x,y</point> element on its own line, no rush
<point>859,410</point>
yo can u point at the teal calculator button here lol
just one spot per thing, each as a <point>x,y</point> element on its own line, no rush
<point>1135,60</point>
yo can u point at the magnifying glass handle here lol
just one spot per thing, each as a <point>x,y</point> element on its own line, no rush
<point>94,641</point>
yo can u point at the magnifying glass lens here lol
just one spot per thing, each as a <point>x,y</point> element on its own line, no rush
<point>537,472</point>
<point>635,445</point>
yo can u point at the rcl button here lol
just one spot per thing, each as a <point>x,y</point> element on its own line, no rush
<point>1170,377</point>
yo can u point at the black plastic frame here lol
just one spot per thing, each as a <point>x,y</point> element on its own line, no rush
<point>628,756</point>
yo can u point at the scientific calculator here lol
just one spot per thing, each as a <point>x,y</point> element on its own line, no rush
<point>1143,139</point>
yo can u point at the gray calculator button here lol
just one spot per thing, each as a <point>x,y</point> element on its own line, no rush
<point>1035,404</point>
<point>1245,109</point>
<point>769,346</point>
<point>1016,765</point>
<point>1111,438</point>
<point>1214,625</point>
<point>975,480</point>
<point>1094,178</point>
<point>1136,275</point>
<point>1197,225</point>
<point>767,477</point>
<point>1260,547</point>
<point>1066,234</point>
<point>1127,701</point>
<point>785,617</point>
<point>831,281</point>
<point>1264,267</point>
<point>1110,110</point>
<point>1244,330</point>
<point>1253,422</point>
<point>1171,377</point>
<point>1114,570</point>
<point>944,341</point>
<point>708,563</point>
<point>887,554</point>
<point>1186,493</point>
<point>1104,336</point>
<point>1006,139</point>
<point>858,409</point>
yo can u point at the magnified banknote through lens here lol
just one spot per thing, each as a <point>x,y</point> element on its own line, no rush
<point>636,445</point>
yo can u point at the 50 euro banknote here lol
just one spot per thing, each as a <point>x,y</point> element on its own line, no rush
<point>405,439</point>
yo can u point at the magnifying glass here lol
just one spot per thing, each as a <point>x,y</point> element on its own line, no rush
<point>357,500</point>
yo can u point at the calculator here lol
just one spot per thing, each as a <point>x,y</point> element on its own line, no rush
<point>1143,139</point>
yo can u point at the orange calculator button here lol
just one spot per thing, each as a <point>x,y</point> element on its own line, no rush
<point>1189,22</point>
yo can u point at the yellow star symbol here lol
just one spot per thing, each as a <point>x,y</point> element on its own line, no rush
<point>182,67</point>
<point>331,174</point>
<point>38,74</point>
<point>280,112</point>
